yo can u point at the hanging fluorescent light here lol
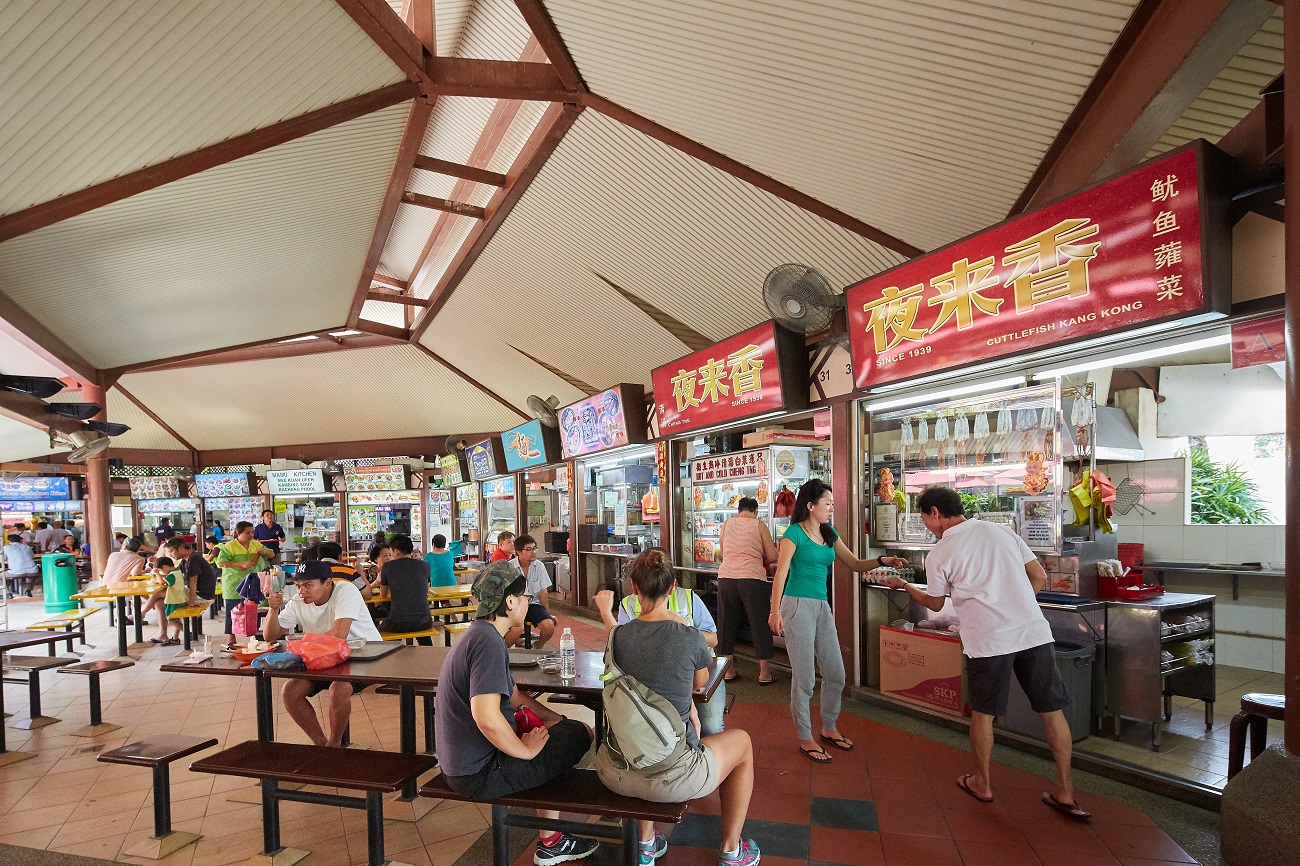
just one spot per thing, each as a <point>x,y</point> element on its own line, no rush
<point>932,396</point>
<point>1134,357</point>
<point>300,339</point>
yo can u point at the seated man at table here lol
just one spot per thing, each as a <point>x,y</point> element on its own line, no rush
<point>539,583</point>
<point>483,751</point>
<point>20,564</point>
<point>322,606</point>
<point>505,547</point>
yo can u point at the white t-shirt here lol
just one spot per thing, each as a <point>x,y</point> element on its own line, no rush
<point>344,603</point>
<point>19,559</point>
<point>982,566</point>
<point>538,579</point>
<point>44,539</point>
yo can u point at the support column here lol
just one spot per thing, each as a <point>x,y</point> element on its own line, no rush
<point>845,486</point>
<point>99,494</point>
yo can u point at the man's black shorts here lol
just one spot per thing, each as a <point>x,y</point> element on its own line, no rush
<point>503,775</point>
<point>990,681</point>
<point>537,614</point>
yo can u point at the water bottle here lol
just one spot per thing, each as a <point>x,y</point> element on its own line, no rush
<point>568,656</point>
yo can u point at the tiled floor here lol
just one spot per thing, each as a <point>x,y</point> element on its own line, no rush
<point>892,800</point>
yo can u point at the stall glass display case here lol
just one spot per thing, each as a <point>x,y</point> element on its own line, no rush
<point>1002,453</point>
<point>617,499</point>
<point>465,517</point>
<point>499,509</point>
<point>718,482</point>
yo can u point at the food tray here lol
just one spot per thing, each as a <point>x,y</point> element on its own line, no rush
<point>1138,593</point>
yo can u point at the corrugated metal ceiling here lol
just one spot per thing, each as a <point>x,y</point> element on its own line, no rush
<point>875,107</point>
<point>268,245</point>
<point>145,432</point>
<point>1233,94</point>
<point>91,90</point>
<point>335,397</point>
<point>494,30</point>
<point>690,239</point>
<point>384,313</point>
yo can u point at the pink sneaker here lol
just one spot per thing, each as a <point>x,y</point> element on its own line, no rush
<point>748,855</point>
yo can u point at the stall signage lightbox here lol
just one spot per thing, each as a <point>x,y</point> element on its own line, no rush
<point>166,506</point>
<point>285,482</point>
<point>453,469</point>
<point>391,497</point>
<point>1150,246</point>
<point>467,494</point>
<point>52,506</point>
<point>531,444</point>
<point>755,372</point>
<point>499,488</point>
<point>485,459</point>
<point>1261,341</point>
<point>741,465</point>
<point>375,477</point>
<point>155,488</point>
<point>211,485</point>
<point>37,487</point>
<point>238,508</point>
<point>610,419</point>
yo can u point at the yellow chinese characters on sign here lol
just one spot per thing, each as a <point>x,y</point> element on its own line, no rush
<point>684,389</point>
<point>893,316</point>
<point>1052,264</point>
<point>959,293</point>
<point>740,373</point>
<point>745,367</point>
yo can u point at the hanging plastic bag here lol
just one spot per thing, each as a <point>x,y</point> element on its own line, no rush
<point>320,651</point>
<point>250,588</point>
<point>783,506</point>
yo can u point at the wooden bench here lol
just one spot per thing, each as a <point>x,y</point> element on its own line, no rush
<point>427,693</point>
<point>577,791</point>
<point>62,621</point>
<point>453,628</point>
<point>458,610</point>
<point>32,666</point>
<point>191,620</point>
<point>376,773</point>
<point>409,636</point>
<point>157,753</point>
<point>93,670</point>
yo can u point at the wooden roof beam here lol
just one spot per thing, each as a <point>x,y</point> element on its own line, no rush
<point>394,37</point>
<point>434,203</point>
<point>470,379</point>
<point>291,345</point>
<point>465,172</point>
<point>548,36</point>
<point>1162,61</point>
<point>498,79</point>
<point>17,324</point>
<point>400,285</point>
<point>32,411</point>
<point>394,298</point>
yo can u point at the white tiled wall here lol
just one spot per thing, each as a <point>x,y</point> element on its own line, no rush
<point>1260,609</point>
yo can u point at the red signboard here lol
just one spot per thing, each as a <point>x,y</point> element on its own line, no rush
<point>1126,252</point>
<point>729,467</point>
<point>1262,341</point>
<point>757,371</point>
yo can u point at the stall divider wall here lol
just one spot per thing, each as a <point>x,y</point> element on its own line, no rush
<point>844,483</point>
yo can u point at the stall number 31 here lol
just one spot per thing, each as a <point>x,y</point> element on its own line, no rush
<point>825,375</point>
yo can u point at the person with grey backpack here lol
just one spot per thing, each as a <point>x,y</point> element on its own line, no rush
<point>651,747</point>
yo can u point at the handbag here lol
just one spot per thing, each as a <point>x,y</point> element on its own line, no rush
<point>320,651</point>
<point>526,720</point>
<point>243,619</point>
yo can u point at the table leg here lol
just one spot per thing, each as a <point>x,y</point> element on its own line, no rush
<point>270,818</point>
<point>375,828</point>
<point>1209,714</point>
<point>406,717</point>
<point>139,620</point>
<point>185,630</point>
<point>265,710</point>
<point>120,604</point>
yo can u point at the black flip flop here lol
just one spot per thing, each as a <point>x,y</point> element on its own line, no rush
<point>838,742</point>
<point>767,682</point>
<point>824,759</point>
<point>1071,809</point>
<point>964,784</point>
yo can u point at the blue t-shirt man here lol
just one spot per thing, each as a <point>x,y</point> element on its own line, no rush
<point>269,532</point>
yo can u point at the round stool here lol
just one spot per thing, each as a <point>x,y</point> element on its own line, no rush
<point>1256,709</point>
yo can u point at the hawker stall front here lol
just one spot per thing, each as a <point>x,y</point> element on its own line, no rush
<point>1056,371</point>
<point>228,497</point>
<point>156,497</point>
<point>532,452</point>
<point>380,499</point>
<point>614,472</point>
<point>29,500</point>
<point>305,506</point>
<point>498,508</point>
<point>463,505</point>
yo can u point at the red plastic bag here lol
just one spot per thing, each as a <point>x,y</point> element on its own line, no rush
<point>320,651</point>
<point>243,618</point>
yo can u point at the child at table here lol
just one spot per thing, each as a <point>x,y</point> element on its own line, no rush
<point>175,596</point>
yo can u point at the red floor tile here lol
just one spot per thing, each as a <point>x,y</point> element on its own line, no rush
<point>950,796</point>
<point>993,854</point>
<point>1026,803</point>
<point>854,847</point>
<point>1109,812</point>
<point>1150,843</point>
<point>792,781</point>
<point>895,768</point>
<point>910,820</point>
<point>1138,861</point>
<point>918,851</point>
<point>1061,832</point>
<point>1066,857</point>
<point>845,786</point>
<point>991,826</point>
<point>710,805</point>
<point>788,758</point>
<point>915,793</point>
<point>784,808</point>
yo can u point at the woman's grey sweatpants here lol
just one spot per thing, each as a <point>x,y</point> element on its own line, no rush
<point>810,636</point>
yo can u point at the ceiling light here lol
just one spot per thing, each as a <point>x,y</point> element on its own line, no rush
<point>43,387</point>
<point>77,411</point>
<point>348,333</point>
<point>934,396</point>
<point>300,339</point>
<point>1134,357</point>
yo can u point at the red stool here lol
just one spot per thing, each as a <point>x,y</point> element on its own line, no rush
<point>1256,709</point>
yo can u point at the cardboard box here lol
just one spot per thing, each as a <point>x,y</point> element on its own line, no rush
<point>759,438</point>
<point>924,668</point>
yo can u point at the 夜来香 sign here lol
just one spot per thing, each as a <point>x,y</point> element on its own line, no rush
<point>531,444</point>
<point>36,487</point>
<point>610,419</point>
<point>1148,246</point>
<point>755,372</point>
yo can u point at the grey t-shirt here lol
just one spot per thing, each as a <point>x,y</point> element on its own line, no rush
<point>664,657</point>
<point>478,664</point>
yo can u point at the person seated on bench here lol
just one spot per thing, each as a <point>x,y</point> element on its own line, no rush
<point>20,563</point>
<point>539,583</point>
<point>321,606</point>
<point>442,562</point>
<point>691,608</point>
<point>331,552</point>
<point>672,659</point>
<point>200,576</point>
<point>407,579</point>
<point>475,718</point>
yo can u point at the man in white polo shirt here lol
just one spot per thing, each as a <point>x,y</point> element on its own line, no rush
<point>992,577</point>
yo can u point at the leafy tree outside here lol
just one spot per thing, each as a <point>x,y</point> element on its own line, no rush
<point>1223,493</point>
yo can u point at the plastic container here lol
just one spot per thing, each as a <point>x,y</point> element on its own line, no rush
<point>568,656</point>
<point>1131,555</point>
<point>59,581</point>
<point>1076,666</point>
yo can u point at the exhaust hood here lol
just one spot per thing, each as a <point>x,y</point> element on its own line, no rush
<point>1117,441</point>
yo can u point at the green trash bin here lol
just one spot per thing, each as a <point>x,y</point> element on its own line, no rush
<point>59,579</point>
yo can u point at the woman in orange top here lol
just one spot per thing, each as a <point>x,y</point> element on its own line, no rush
<point>743,584</point>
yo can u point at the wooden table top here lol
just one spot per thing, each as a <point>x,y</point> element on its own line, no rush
<point>218,665</point>
<point>17,639</point>
<point>127,590</point>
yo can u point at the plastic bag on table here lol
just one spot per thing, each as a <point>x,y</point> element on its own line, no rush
<point>320,651</point>
<point>279,662</point>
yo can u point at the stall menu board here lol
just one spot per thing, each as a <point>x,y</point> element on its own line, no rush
<point>499,488</point>
<point>210,485</point>
<point>1127,252</point>
<point>739,466</point>
<point>239,508</point>
<point>53,506</point>
<point>286,482</point>
<point>755,372</point>
<point>165,506</point>
<point>453,469</point>
<point>467,493</point>
<point>606,420</point>
<point>485,459</point>
<point>392,497</point>
<point>439,506</point>
<point>37,487</point>
<point>155,488</point>
<point>529,445</point>
<point>375,477</point>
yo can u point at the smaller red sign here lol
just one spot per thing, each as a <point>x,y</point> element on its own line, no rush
<point>738,378</point>
<point>1262,341</point>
